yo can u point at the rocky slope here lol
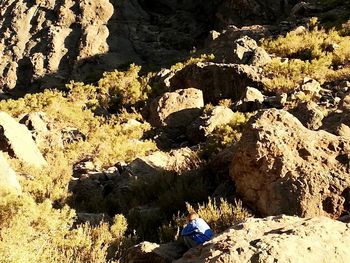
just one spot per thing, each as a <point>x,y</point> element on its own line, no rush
<point>50,42</point>
<point>277,239</point>
<point>259,129</point>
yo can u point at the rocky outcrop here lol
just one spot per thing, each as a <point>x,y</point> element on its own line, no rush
<point>176,109</point>
<point>8,177</point>
<point>42,129</point>
<point>281,167</point>
<point>49,42</point>
<point>277,239</point>
<point>217,81</point>
<point>50,39</point>
<point>158,162</point>
<point>244,50</point>
<point>16,140</point>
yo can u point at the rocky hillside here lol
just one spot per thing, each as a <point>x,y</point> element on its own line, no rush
<point>117,118</point>
<point>50,42</point>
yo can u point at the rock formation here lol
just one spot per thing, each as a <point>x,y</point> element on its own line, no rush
<point>217,80</point>
<point>281,167</point>
<point>17,141</point>
<point>176,109</point>
<point>277,239</point>
<point>49,42</point>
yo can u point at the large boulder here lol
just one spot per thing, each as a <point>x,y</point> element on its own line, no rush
<point>159,162</point>
<point>281,167</point>
<point>17,141</point>
<point>277,239</point>
<point>8,177</point>
<point>42,129</point>
<point>218,81</point>
<point>176,109</point>
<point>244,50</point>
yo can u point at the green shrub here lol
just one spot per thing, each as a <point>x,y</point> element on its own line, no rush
<point>226,135</point>
<point>321,54</point>
<point>125,88</point>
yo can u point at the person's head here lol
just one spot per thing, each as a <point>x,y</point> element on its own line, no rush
<point>192,216</point>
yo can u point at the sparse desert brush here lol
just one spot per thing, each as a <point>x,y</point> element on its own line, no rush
<point>36,232</point>
<point>226,135</point>
<point>317,53</point>
<point>220,214</point>
<point>124,88</point>
<point>192,60</point>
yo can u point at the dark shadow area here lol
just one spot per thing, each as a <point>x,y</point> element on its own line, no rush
<point>147,195</point>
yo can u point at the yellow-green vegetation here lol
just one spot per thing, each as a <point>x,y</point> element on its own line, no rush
<point>33,232</point>
<point>219,214</point>
<point>317,53</point>
<point>38,226</point>
<point>124,88</point>
<point>192,60</point>
<point>167,192</point>
<point>226,135</point>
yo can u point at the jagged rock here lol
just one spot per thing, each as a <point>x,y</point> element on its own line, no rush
<point>279,166</point>
<point>49,38</point>
<point>203,126</point>
<point>243,50</point>
<point>277,239</point>
<point>259,57</point>
<point>219,163</point>
<point>309,89</point>
<point>309,114</point>
<point>152,252</point>
<point>344,131</point>
<point>42,129</point>
<point>176,109</point>
<point>17,141</point>
<point>252,99</point>
<point>158,162</point>
<point>217,81</point>
<point>8,177</point>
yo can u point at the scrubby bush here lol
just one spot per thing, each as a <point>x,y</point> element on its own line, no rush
<point>219,214</point>
<point>36,232</point>
<point>321,54</point>
<point>226,135</point>
<point>123,87</point>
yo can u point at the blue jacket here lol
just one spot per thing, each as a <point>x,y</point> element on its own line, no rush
<point>199,230</point>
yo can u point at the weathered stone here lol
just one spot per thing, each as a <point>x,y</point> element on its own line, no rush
<point>17,141</point>
<point>279,166</point>
<point>259,57</point>
<point>176,109</point>
<point>218,81</point>
<point>158,162</point>
<point>203,126</point>
<point>277,239</point>
<point>8,177</point>
<point>309,114</point>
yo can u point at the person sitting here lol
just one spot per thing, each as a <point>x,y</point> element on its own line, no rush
<point>196,232</point>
